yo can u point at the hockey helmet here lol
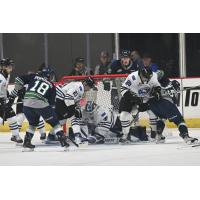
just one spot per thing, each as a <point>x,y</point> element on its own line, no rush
<point>6,62</point>
<point>89,81</point>
<point>125,53</point>
<point>146,72</point>
<point>46,72</point>
<point>79,60</point>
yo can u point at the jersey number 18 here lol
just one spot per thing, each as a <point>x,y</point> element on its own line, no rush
<point>40,87</point>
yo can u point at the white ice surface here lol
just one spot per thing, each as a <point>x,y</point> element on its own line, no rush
<point>173,152</point>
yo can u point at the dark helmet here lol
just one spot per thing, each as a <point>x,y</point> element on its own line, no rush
<point>90,106</point>
<point>90,82</point>
<point>45,72</point>
<point>6,62</point>
<point>125,53</point>
<point>146,72</point>
<point>79,60</point>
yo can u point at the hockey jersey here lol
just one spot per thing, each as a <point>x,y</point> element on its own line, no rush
<point>118,68</point>
<point>70,93</point>
<point>101,119</point>
<point>40,92</point>
<point>3,85</point>
<point>139,88</point>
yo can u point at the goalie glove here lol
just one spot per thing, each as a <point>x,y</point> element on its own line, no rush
<point>156,93</point>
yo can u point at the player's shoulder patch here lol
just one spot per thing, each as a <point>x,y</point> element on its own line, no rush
<point>81,88</point>
<point>103,114</point>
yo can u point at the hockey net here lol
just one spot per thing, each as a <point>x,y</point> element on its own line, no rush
<point>106,92</point>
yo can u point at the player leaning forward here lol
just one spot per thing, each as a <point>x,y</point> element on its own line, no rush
<point>67,100</point>
<point>142,88</point>
<point>39,100</point>
<point>6,111</point>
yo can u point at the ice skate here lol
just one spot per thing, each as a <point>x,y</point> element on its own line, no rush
<point>52,139</point>
<point>17,139</point>
<point>189,140</point>
<point>43,136</point>
<point>125,140</point>
<point>27,143</point>
<point>160,139</point>
<point>81,141</point>
<point>62,139</point>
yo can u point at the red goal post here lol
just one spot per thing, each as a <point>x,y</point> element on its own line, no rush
<point>107,91</point>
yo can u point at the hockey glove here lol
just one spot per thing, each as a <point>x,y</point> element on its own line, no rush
<point>176,85</point>
<point>143,107</point>
<point>156,93</point>
<point>106,85</point>
<point>11,100</point>
<point>130,97</point>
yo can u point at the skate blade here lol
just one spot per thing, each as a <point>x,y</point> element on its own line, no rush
<point>160,142</point>
<point>192,143</point>
<point>18,144</point>
<point>52,142</point>
<point>66,149</point>
<point>27,150</point>
<point>84,144</point>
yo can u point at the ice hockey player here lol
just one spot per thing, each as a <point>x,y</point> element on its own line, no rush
<point>135,90</point>
<point>6,111</point>
<point>67,100</point>
<point>39,100</point>
<point>144,89</point>
<point>163,105</point>
<point>124,65</point>
<point>97,121</point>
<point>21,117</point>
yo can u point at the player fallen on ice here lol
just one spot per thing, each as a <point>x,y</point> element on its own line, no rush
<point>6,111</point>
<point>39,100</point>
<point>67,101</point>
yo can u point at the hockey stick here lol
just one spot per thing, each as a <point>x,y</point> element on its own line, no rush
<point>73,141</point>
<point>135,117</point>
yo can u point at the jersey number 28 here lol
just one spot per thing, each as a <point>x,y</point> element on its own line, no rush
<point>40,87</point>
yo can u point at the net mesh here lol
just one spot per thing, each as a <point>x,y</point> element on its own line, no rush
<point>106,92</point>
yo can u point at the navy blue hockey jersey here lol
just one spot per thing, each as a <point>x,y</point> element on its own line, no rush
<point>39,88</point>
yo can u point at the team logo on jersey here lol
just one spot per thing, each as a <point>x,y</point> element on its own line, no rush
<point>144,91</point>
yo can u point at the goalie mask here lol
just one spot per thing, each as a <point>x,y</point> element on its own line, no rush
<point>90,106</point>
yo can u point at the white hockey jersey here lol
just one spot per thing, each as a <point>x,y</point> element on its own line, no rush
<point>3,86</point>
<point>71,93</point>
<point>139,88</point>
<point>102,119</point>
